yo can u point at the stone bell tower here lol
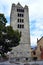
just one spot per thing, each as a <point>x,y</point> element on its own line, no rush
<point>19,20</point>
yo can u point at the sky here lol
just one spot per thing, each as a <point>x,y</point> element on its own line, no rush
<point>35,16</point>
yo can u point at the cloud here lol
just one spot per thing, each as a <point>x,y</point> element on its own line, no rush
<point>36,30</point>
<point>33,40</point>
<point>36,20</point>
<point>35,15</point>
<point>5,6</point>
<point>7,24</point>
<point>36,8</point>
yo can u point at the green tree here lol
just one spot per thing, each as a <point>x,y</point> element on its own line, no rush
<point>3,22</point>
<point>8,37</point>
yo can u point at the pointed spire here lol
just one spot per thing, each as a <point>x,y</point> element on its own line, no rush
<point>13,5</point>
<point>18,4</point>
<point>26,6</point>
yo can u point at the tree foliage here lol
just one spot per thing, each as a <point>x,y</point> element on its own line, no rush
<point>8,37</point>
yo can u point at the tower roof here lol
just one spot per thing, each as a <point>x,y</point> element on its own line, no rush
<point>18,4</point>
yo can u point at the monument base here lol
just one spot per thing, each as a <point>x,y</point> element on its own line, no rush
<point>21,53</point>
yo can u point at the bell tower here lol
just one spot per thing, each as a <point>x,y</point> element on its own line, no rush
<point>19,20</point>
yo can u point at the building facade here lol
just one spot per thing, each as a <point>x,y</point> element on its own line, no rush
<point>34,54</point>
<point>19,20</point>
<point>40,48</point>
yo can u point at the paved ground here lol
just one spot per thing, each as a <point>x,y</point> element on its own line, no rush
<point>19,63</point>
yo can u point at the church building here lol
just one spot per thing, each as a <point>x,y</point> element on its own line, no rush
<point>19,20</point>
